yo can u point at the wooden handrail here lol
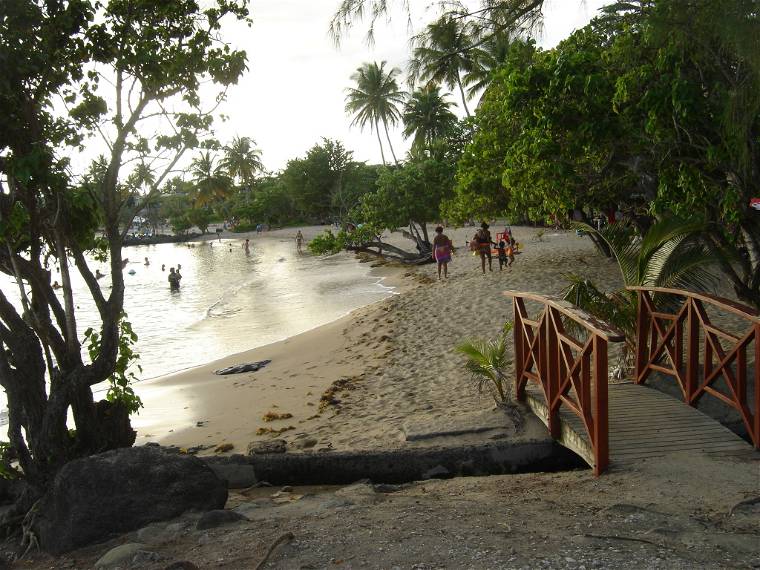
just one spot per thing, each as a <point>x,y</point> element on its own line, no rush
<point>721,303</point>
<point>688,348</point>
<point>571,374</point>
<point>588,321</point>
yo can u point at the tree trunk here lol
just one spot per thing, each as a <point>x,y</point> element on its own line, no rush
<point>464,97</point>
<point>389,143</point>
<point>380,142</point>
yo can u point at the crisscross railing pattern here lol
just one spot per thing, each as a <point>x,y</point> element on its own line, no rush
<point>570,372</point>
<point>687,346</point>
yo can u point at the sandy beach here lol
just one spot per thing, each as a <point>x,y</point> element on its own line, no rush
<point>355,383</point>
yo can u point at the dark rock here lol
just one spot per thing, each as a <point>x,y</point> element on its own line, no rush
<point>121,555</point>
<point>236,475</point>
<point>213,519</point>
<point>181,565</point>
<point>93,498</point>
<point>263,447</point>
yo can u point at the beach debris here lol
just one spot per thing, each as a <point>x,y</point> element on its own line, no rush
<point>272,416</point>
<point>328,397</point>
<point>267,430</point>
<point>223,448</point>
<point>265,447</point>
<point>201,423</point>
<point>240,368</point>
<point>197,449</point>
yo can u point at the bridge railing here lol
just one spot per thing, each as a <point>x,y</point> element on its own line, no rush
<point>686,345</point>
<point>571,373</point>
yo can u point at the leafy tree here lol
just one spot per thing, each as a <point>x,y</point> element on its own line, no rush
<point>154,56</point>
<point>427,116</point>
<point>689,94</point>
<point>326,182</point>
<point>375,100</point>
<point>409,196</point>
<point>199,217</point>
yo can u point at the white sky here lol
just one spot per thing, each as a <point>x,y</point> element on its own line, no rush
<point>294,91</point>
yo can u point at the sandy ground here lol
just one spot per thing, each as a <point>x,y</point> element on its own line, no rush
<point>394,361</point>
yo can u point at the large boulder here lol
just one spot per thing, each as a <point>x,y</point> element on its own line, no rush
<point>94,498</point>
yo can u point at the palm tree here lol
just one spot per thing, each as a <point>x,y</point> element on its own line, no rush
<point>442,54</point>
<point>668,255</point>
<point>375,100</point>
<point>487,58</point>
<point>242,160</point>
<point>211,183</point>
<point>427,116</point>
<point>487,364</point>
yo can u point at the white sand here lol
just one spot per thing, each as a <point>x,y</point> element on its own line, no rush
<point>399,355</point>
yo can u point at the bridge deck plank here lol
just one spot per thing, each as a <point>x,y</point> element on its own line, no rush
<point>645,423</point>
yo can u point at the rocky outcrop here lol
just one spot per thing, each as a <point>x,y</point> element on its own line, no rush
<point>93,498</point>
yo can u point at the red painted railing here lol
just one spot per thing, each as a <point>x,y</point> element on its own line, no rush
<point>571,373</point>
<point>687,346</point>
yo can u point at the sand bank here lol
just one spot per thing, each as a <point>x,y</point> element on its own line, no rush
<point>394,361</point>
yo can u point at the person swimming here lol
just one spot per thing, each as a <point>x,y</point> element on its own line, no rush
<point>147,262</point>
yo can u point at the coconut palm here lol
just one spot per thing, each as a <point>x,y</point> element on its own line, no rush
<point>442,54</point>
<point>487,58</point>
<point>427,116</point>
<point>668,255</point>
<point>375,100</point>
<point>242,160</point>
<point>211,182</point>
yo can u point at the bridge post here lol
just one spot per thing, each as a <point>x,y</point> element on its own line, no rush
<point>692,352</point>
<point>519,340</point>
<point>601,411</point>
<point>756,435</point>
<point>551,361</point>
<point>642,330</point>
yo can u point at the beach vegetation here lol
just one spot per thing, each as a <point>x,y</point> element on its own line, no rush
<point>129,74</point>
<point>670,254</point>
<point>428,117</point>
<point>488,364</point>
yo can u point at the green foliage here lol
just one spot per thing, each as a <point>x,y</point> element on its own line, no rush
<point>326,243</point>
<point>488,362</point>
<point>200,217</point>
<point>427,117</point>
<point>411,193</point>
<point>120,389</point>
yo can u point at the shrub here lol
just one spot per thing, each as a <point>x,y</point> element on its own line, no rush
<point>487,363</point>
<point>327,243</point>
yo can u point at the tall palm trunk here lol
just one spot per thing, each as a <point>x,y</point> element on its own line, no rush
<point>380,142</point>
<point>385,124</point>
<point>464,98</point>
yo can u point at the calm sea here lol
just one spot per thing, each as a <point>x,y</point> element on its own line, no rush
<point>229,301</point>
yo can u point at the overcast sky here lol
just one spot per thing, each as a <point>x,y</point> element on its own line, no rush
<point>294,91</point>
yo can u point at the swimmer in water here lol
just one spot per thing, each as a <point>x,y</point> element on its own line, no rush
<point>146,262</point>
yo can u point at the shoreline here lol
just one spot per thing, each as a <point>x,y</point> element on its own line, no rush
<point>379,368</point>
<point>194,392</point>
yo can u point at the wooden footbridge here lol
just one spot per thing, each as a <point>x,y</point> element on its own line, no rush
<point>561,366</point>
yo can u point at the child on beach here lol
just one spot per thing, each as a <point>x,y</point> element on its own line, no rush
<point>442,252</point>
<point>502,247</point>
<point>510,252</point>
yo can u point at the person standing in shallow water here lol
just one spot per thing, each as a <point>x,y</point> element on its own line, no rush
<point>299,241</point>
<point>174,279</point>
<point>442,252</point>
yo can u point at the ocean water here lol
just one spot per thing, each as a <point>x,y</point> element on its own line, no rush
<point>229,301</point>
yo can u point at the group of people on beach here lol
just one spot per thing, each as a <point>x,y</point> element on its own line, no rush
<point>481,244</point>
